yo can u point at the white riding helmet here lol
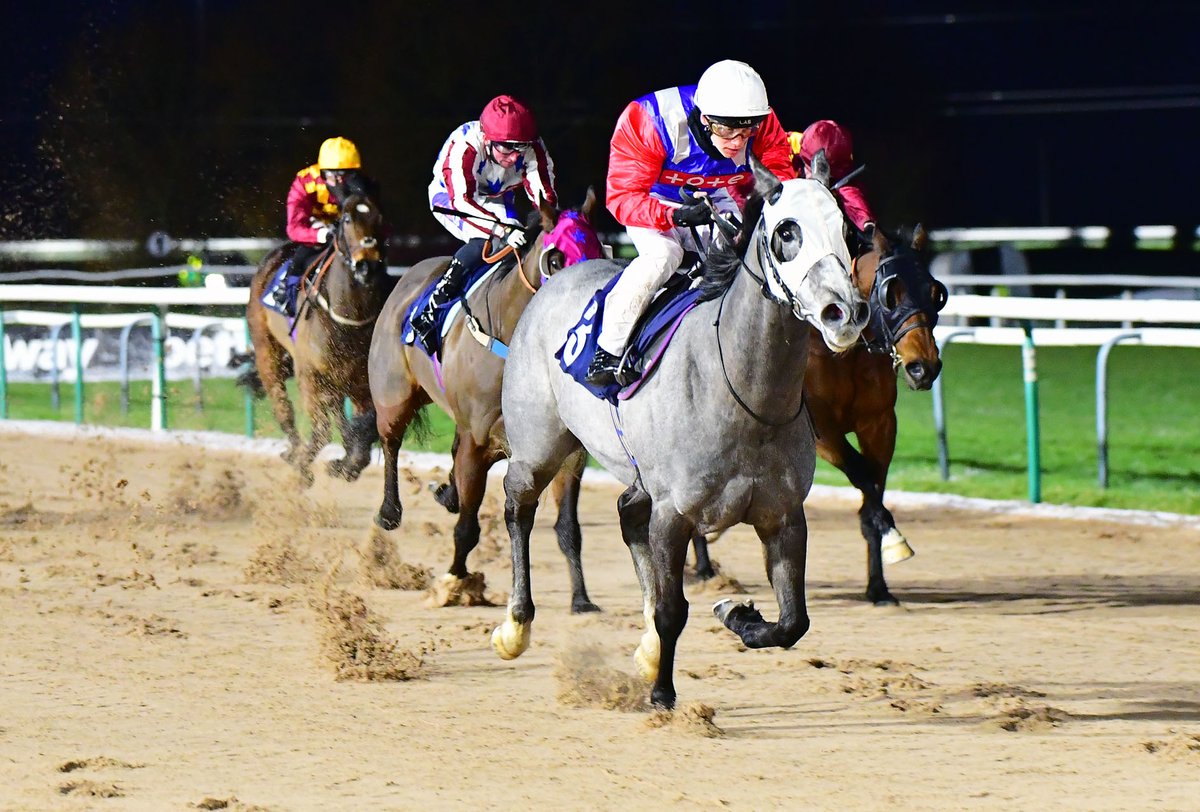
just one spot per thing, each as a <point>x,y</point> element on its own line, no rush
<point>732,90</point>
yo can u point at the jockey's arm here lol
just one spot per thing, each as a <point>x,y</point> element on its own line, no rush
<point>539,175</point>
<point>856,207</point>
<point>635,161</point>
<point>458,173</point>
<point>300,214</point>
<point>773,149</point>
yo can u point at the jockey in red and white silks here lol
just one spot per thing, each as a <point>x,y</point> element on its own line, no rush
<point>691,137</point>
<point>467,178</point>
<point>478,171</point>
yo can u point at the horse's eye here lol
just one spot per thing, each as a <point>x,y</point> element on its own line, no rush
<point>557,262</point>
<point>786,241</point>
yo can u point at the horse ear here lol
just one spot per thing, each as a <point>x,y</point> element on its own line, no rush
<point>549,215</point>
<point>750,215</point>
<point>820,168</point>
<point>919,237</point>
<point>880,242</point>
<point>766,185</point>
<point>589,204</point>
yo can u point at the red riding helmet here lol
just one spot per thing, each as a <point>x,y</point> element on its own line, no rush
<point>508,119</point>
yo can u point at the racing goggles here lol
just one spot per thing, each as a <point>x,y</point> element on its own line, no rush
<point>510,147</point>
<point>730,132</point>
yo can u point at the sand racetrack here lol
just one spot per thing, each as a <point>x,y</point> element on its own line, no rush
<point>182,628</point>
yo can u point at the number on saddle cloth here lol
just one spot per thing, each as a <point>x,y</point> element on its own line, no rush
<point>647,341</point>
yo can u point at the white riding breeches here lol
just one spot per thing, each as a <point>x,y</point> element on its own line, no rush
<point>659,255</point>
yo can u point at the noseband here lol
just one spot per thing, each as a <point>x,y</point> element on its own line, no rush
<point>917,308</point>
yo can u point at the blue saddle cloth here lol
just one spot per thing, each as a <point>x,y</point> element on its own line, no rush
<point>268,297</point>
<point>444,315</point>
<point>647,341</point>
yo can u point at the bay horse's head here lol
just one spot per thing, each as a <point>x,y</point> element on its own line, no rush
<point>905,302</point>
<point>567,237</point>
<point>359,240</point>
<point>794,233</point>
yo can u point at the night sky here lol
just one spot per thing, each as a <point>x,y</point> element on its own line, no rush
<point>119,118</point>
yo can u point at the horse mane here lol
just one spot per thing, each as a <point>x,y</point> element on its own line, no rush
<point>725,257</point>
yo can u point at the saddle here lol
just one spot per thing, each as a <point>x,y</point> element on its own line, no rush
<point>445,314</point>
<point>647,341</point>
<point>276,296</point>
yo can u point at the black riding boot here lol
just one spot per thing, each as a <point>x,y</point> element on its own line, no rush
<point>449,288</point>
<point>602,371</point>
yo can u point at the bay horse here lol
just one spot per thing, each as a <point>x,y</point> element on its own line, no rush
<point>326,347</point>
<point>854,392</point>
<point>466,384</point>
<point>717,432</point>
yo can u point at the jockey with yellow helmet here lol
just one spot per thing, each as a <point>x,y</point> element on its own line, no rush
<point>314,203</point>
<point>477,172</point>
<point>694,137</point>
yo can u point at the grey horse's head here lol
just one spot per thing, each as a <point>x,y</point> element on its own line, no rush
<point>800,245</point>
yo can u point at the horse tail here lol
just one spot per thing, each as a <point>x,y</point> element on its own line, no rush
<point>247,374</point>
<point>419,428</point>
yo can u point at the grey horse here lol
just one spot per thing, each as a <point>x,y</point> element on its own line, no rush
<point>718,432</point>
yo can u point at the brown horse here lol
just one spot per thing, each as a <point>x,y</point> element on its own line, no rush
<point>327,346</point>
<point>855,391</point>
<point>403,380</point>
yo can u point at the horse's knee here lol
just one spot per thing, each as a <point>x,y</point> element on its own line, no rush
<point>670,617</point>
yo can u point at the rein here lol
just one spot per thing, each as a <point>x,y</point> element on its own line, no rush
<point>319,297</point>
<point>889,323</point>
<point>770,296</point>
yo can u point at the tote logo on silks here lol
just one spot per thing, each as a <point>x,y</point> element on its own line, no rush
<point>578,338</point>
<point>673,177</point>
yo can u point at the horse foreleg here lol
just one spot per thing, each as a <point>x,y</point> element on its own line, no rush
<point>786,549</point>
<point>704,567</point>
<point>320,405</point>
<point>522,487</point>
<point>391,424</point>
<point>633,509</point>
<point>885,544</point>
<point>446,493</point>
<point>670,534</point>
<point>873,518</point>
<point>570,539</point>
<point>358,435</point>
<point>470,477</point>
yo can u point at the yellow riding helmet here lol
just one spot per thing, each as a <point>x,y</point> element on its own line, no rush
<point>338,153</point>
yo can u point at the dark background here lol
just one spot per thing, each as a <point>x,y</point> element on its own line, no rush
<point>119,118</point>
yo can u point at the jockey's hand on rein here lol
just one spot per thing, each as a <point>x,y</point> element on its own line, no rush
<point>692,214</point>
<point>516,238</point>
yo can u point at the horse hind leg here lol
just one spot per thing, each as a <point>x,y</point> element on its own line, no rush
<point>470,477</point>
<point>359,434</point>
<point>885,544</point>
<point>446,493</point>
<point>274,368</point>
<point>570,540</point>
<point>786,552</point>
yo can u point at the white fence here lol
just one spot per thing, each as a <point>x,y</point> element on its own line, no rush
<point>1140,321</point>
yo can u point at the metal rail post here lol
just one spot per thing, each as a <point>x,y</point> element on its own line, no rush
<point>1032,427</point>
<point>158,395</point>
<point>3,372</point>
<point>939,406</point>
<point>1102,403</point>
<point>123,359</point>
<point>77,342</point>
<point>55,393</point>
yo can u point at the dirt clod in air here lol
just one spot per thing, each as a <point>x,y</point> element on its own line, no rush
<point>280,561</point>
<point>586,681</point>
<point>693,719</point>
<point>469,591</point>
<point>354,641</point>
<point>381,565</point>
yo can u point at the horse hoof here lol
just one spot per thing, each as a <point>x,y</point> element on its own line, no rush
<point>647,655</point>
<point>445,496</point>
<point>728,612</point>
<point>885,601</point>
<point>662,700</point>
<point>386,522</point>
<point>583,607</point>
<point>894,547</point>
<point>510,639</point>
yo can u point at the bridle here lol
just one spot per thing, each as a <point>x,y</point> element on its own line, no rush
<point>341,249</point>
<point>918,308</point>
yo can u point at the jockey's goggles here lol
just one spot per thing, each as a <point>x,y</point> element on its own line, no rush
<point>509,147</point>
<point>730,133</point>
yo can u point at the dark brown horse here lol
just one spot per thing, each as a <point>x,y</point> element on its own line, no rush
<point>337,307</point>
<point>855,391</point>
<point>466,386</point>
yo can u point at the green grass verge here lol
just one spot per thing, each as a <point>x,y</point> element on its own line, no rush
<point>1154,425</point>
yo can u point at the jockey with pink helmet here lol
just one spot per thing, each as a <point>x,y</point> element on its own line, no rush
<point>696,138</point>
<point>477,173</point>
<point>835,139</point>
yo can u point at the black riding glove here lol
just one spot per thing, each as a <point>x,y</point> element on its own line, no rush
<point>693,214</point>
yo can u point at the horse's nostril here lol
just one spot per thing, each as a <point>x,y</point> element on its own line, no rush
<point>916,370</point>
<point>833,313</point>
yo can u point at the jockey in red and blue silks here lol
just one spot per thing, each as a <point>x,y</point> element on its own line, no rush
<point>477,172</point>
<point>694,138</point>
<point>839,151</point>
